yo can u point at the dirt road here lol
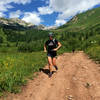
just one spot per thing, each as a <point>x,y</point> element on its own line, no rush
<point>78,78</point>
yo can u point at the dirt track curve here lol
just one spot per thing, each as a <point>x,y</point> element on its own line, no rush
<point>78,78</point>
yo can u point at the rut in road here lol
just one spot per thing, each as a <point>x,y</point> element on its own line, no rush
<point>78,78</point>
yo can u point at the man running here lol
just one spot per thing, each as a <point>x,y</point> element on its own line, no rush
<point>51,46</point>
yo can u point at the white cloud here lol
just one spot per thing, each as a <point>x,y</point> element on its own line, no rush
<point>16,14</point>
<point>45,10</point>
<point>32,18</point>
<point>59,22</point>
<point>2,14</point>
<point>4,7</point>
<point>21,1</point>
<point>5,4</point>
<point>68,8</point>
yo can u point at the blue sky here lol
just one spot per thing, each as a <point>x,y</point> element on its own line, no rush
<point>47,12</point>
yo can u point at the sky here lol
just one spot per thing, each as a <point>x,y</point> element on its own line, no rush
<point>46,12</point>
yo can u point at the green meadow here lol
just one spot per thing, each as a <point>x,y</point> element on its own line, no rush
<point>16,68</point>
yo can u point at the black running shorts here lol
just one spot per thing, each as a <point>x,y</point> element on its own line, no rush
<point>53,54</point>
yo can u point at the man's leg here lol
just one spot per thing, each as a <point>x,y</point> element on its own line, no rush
<point>54,63</point>
<point>50,65</point>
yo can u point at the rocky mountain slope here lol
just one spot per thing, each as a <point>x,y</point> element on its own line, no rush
<point>15,23</point>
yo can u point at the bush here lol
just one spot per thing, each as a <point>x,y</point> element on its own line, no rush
<point>31,47</point>
<point>94,52</point>
<point>1,39</point>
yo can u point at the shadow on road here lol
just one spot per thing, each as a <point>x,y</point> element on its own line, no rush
<point>46,71</point>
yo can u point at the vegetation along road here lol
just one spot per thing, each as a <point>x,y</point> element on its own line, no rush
<point>78,78</point>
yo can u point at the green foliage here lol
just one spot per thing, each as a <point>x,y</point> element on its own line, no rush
<point>15,68</point>
<point>2,35</point>
<point>1,39</point>
<point>4,49</point>
<point>94,52</point>
<point>27,40</point>
<point>32,46</point>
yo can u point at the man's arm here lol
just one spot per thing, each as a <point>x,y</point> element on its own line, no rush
<point>59,46</point>
<point>45,49</point>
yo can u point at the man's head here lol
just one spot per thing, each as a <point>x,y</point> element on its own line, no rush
<point>51,35</point>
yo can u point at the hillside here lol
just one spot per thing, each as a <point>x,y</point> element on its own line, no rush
<point>82,32</point>
<point>22,40</point>
<point>82,21</point>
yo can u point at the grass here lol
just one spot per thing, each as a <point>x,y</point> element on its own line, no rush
<point>94,52</point>
<point>4,49</point>
<point>16,68</point>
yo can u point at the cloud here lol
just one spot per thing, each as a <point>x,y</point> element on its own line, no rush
<point>16,14</point>
<point>21,1</point>
<point>45,10</point>
<point>4,7</point>
<point>59,22</point>
<point>32,17</point>
<point>6,4</point>
<point>2,14</point>
<point>68,8</point>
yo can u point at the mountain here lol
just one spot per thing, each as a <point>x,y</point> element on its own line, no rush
<point>15,23</point>
<point>82,21</point>
<point>50,28</point>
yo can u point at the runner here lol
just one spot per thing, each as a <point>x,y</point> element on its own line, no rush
<point>51,46</point>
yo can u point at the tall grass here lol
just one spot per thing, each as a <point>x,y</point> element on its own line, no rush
<point>94,52</point>
<point>16,68</point>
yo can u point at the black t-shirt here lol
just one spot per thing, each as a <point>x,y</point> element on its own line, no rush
<point>51,44</point>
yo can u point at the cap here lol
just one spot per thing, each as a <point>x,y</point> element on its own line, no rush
<point>50,34</point>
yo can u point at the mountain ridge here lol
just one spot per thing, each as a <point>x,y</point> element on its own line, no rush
<point>82,21</point>
<point>21,24</point>
<point>16,23</point>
